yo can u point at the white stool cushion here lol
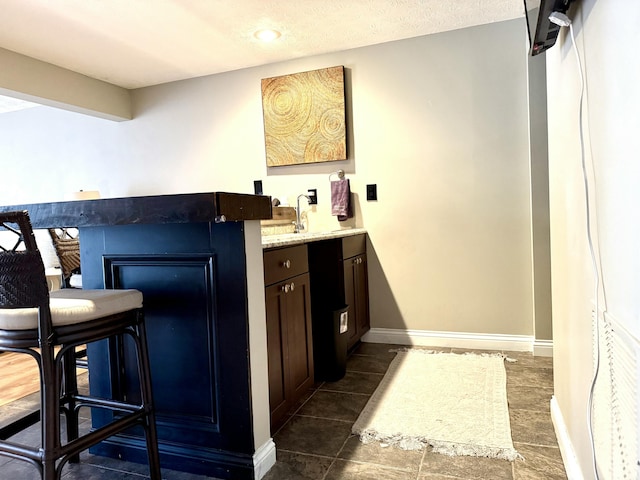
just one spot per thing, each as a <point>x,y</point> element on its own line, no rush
<point>70,306</point>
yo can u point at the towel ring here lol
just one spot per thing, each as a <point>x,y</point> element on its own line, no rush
<point>339,173</point>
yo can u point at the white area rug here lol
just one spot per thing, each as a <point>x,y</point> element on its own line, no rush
<point>455,403</point>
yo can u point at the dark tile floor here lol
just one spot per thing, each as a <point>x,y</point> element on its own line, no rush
<point>316,442</point>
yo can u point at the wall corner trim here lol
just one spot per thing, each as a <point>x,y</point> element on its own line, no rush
<point>264,458</point>
<point>569,458</point>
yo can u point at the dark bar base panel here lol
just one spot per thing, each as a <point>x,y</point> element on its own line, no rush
<point>224,465</point>
<point>193,278</point>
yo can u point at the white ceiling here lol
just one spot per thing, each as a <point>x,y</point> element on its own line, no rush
<point>137,43</point>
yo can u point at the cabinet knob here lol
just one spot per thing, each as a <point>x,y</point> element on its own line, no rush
<point>285,288</point>
<point>286,264</point>
<point>293,285</point>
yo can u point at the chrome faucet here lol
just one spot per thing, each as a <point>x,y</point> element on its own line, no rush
<point>299,225</point>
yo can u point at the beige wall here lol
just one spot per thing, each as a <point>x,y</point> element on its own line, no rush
<point>439,123</point>
<point>607,37</point>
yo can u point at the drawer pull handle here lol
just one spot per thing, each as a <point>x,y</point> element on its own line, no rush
<point>286,264</point>
<point>288,287</point>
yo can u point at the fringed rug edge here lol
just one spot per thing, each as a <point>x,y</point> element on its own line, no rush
<point>445,448</point>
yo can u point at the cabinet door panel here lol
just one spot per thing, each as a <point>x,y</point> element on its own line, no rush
<point>276,341</point>
<point>299,338</point>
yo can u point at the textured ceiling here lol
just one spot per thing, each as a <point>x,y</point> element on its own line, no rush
<point>137,43</point>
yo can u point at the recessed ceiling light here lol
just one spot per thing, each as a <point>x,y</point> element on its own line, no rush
<point>267,35</point>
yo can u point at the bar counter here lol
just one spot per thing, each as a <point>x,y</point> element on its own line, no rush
<point>197,258</point>
<point>157,209</point>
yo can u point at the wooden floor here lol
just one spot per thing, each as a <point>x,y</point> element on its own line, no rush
<point>19,376</point>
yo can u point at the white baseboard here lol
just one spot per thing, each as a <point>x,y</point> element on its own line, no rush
<point>569,458</point>
<point>543,348</point>
<point>263,459</point>
<point>479,341</point>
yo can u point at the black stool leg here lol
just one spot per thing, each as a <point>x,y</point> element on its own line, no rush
<point>50,414</point>
<point>144,371</point>
<point>69,392</point>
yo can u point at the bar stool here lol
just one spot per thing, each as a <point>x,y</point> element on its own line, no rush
<point>66,242</point>
<point>48,326</point>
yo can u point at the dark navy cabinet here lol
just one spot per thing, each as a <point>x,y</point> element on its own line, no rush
<point>192,279</point>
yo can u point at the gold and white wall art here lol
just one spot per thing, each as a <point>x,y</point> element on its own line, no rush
<point>304,117</point>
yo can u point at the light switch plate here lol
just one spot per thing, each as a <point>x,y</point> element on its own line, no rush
<point>372,191</point>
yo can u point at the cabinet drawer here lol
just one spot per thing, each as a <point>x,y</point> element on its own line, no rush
<point>282,263</point>
<point>354,245</point>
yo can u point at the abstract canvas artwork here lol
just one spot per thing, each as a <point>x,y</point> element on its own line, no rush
<point>304,117</point>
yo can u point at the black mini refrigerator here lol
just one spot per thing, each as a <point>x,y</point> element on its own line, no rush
<point>330,344</point>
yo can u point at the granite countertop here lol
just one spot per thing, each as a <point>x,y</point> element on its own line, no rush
<point>287,239</point>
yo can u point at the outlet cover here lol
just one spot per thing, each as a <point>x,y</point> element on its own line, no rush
<point>344,322</point>
<point>257,187</point>
<point>312,193</point>
<point>372,191</point>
